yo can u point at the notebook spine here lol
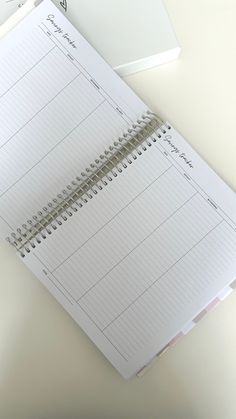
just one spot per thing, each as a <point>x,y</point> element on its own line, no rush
<point>116,158</point>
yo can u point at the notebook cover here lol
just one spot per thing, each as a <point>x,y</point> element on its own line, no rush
<point>107,26</point>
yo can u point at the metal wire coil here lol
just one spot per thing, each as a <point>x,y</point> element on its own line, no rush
<point>93,179</point>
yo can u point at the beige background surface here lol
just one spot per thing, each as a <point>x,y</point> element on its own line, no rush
<point>48,367</point>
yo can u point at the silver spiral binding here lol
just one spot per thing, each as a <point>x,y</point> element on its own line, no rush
<point>123,152</point>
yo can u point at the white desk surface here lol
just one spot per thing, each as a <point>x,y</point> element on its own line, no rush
<point>48,367</point>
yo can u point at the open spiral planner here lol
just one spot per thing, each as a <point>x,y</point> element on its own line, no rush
<point>107,205</point>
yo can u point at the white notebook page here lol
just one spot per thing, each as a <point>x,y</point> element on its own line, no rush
<point>146,255</point>
<point>60,106</point>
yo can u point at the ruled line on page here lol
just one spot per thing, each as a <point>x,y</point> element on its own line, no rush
<point>38,112</point>
<point>158,279</point>
<point>30,69</point>
<point>88,76</point>
<point>110,220</point>
<point>63,139</point>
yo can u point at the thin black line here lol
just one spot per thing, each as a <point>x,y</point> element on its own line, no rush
<point>63,287</point>
<point>53,148</point>
<point>37,62</point>
<point>182,171</point>
<point>48,277</point>
<point>52,280</point>
<point>90,76</point>
<point>204,194</point>
<point>7,223</point>
<point>158,279</point>
<point>54,43</point>
<point>92,320</point>
<point>38,112</point>
<point>109,340</point>
<point>136,247</point>
<point>108,222</point>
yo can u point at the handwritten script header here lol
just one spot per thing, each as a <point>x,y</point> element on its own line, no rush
<point>57,29</point>
<point>175,150</point>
